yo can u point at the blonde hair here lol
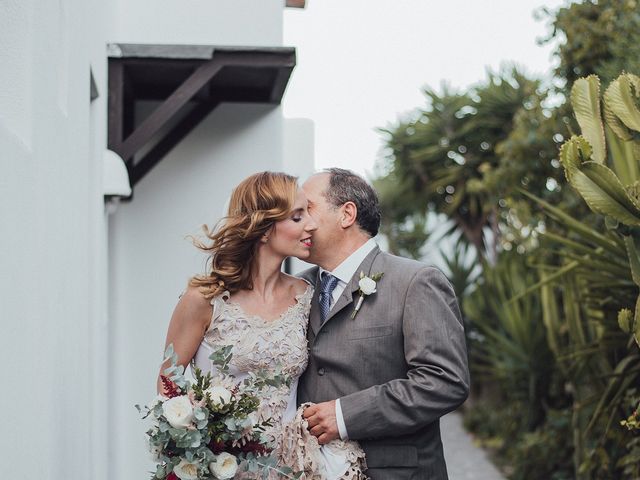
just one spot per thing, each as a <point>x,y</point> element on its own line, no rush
<point>255,205</point>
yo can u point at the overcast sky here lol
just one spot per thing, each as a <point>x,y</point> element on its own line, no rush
<point>363,63</point>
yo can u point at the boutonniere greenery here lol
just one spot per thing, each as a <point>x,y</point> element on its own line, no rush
<point>367,286</point>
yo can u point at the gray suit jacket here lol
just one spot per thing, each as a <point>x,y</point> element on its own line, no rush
<point>397,367</point>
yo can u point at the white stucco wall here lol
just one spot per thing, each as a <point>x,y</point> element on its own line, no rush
<point>299,135</point>
<point>52,235</point>
<point>215,22</point>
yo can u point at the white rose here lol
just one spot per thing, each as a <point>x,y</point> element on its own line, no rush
<point>218,395</point>
<point>224,466</point>
<point>186,470</point>
<point>367,285</point>
<point>178,411</point>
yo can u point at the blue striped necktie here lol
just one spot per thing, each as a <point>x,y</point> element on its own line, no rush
<point>327,284</point>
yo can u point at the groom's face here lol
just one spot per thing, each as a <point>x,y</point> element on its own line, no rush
<point>327,219</point>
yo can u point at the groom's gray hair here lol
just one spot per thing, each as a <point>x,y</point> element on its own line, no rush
<point>347,186</point>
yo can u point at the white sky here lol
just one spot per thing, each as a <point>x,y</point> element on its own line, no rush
<point>363,63</point>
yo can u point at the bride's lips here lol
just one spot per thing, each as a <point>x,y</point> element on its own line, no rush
<point>306,242</point>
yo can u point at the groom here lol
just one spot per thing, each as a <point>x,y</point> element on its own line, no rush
<point>382,375</point>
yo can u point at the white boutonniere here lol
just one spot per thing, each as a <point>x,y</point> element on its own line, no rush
<point>368,285</point>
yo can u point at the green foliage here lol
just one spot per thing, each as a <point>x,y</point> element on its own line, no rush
<point>439,161</point>
<point>597,37</point>
<point>461,269</point>
<point>599,275</point>
<point>555,330</point>
<point>221,357</point>
<point>175,372</point>
<point>511,346</point>
<point>408,237</point>
<point>541,454</point>
<point>218,414</point>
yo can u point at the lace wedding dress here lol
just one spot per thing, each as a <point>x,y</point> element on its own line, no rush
<point>270,345</point>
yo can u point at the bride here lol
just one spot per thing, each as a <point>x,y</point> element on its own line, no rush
<point>245,300</point>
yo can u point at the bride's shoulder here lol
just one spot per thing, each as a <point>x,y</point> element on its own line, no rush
<point>298,285</point>
<point>193,304</point>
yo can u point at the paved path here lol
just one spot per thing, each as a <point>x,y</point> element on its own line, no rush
<point>465,461</point>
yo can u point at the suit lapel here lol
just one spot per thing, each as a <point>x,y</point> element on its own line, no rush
<point>347,296</point>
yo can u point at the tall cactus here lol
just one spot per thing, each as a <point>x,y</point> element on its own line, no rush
<point>603,166</point>
<point>612,192</point>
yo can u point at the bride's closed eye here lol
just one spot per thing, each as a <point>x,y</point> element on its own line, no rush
<point>297,215</point>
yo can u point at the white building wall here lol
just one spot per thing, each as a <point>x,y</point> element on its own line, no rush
<point>207,22</point>
<point>52,234</point>
<point>299,138</point>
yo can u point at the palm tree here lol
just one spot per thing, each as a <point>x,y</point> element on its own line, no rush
<point>440,161</point>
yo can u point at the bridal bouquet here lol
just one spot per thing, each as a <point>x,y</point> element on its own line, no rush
<point>209,428</point>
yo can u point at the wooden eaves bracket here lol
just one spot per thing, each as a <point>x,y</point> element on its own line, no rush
<point>200,78</point>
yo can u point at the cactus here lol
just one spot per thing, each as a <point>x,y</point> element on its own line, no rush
<point>612,192</point>
<point>584,156</point>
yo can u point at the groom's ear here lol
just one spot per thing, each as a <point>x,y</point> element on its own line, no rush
<point>348,214</point>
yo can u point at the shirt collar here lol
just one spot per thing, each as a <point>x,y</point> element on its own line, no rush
<point>348,267</point>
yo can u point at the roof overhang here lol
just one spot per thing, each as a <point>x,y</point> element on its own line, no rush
<point>190,81</point>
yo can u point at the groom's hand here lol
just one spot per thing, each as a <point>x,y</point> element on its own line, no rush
<point>322,421</point>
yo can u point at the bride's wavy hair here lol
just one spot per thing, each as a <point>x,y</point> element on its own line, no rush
<point>256,204</point>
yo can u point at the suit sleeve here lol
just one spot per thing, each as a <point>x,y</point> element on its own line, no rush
<point>435,352</point>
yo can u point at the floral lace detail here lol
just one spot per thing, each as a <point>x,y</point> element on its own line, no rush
<point>285,337</point>
<point>279,344</point>
<point>301,451</point>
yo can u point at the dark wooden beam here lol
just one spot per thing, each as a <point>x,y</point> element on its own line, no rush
<point>169,141</point>
<point>280,84</point>
<point>296,3</point>
<point>130,51</point>
<point>172,105</point>
<point>256,58</point>
<point>116,106</point>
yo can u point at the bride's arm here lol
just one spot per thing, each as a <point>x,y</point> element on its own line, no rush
<point>188,324</point>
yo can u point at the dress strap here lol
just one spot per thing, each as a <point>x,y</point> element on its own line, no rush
<point>217,303</point>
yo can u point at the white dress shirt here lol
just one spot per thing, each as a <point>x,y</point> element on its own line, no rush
<point>344,272</point>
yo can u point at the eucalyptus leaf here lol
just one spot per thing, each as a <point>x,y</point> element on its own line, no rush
<point>169,352</point>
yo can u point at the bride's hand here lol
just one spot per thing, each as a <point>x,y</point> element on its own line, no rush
<point>321,418</point>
